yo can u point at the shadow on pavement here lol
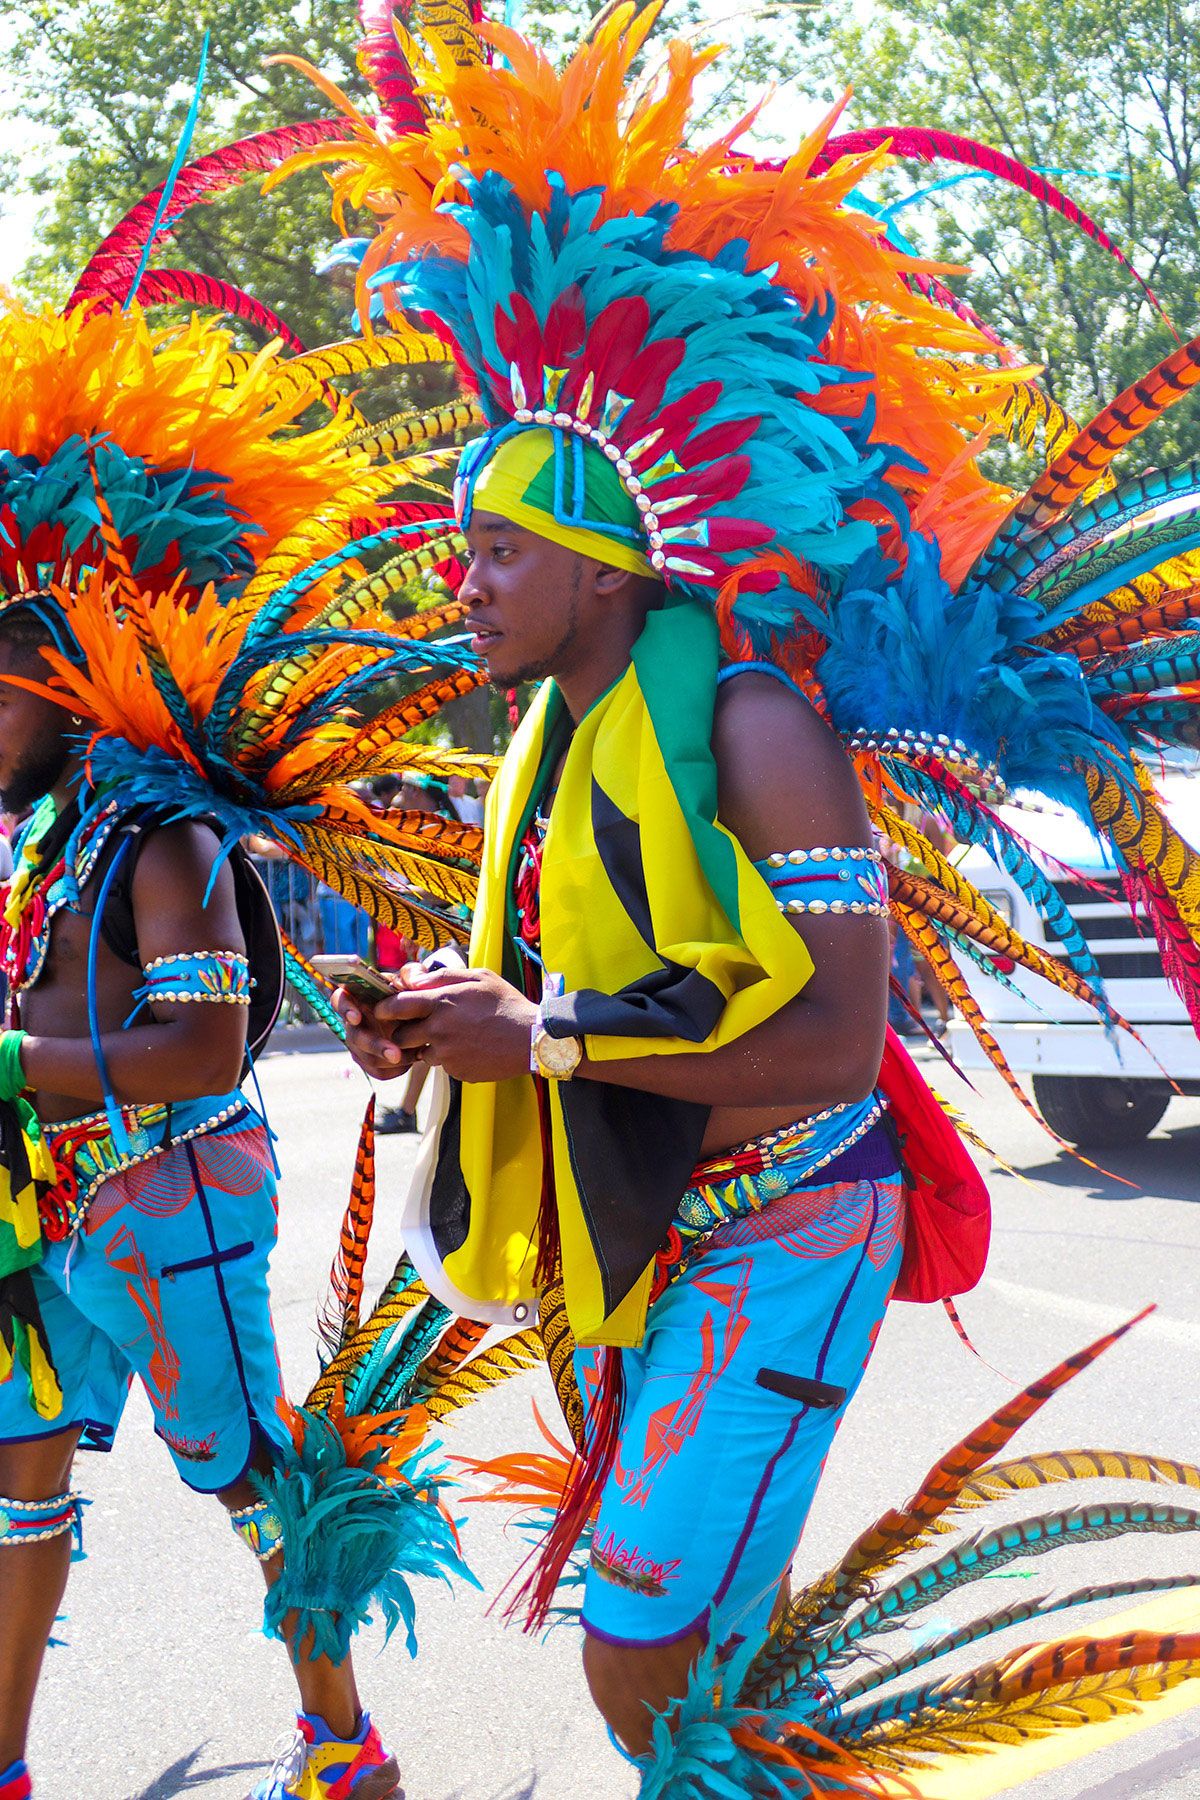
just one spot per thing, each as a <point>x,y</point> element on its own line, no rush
<point>1162,1167</point>
<point>183,1777</point>
<point>524,1790</point>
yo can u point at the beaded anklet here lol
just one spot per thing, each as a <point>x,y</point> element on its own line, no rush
<point>260,1529</point>
<point>37,1521</point>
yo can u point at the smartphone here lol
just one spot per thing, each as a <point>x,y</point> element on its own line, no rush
<point>356,976</point>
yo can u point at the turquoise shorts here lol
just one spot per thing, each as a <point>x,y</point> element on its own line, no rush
<point>730,1407</point>
<point>165,1277</point>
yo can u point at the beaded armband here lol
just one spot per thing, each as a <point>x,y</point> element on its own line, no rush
<point>221,976</point>
<point>36,1521</point>
<point>832,880</point>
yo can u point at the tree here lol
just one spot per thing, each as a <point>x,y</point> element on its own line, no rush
<point>109,84</point>
<point>1103,93</point>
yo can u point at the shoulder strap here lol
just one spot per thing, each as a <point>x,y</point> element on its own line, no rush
<point>728,670</point>
<point>256,915</point>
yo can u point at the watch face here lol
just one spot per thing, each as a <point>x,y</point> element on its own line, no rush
<point>558,1056</point>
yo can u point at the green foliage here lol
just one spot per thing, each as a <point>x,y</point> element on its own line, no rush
<point>1100,90</point>
<point>110,83</point>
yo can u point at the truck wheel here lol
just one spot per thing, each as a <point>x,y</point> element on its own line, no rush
<point>1099,1110</point>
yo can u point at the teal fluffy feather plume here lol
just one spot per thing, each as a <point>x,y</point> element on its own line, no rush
<point>181,515</point>
<point>763,452</point>
<point>353,1538</point>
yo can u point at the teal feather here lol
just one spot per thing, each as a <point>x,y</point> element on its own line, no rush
<point>977,1557</point>
<point>353,1540</point>
<point>1087,519</point>
<point>390,1388</point>
<point>313,996</point>
<point>1020,1613</point>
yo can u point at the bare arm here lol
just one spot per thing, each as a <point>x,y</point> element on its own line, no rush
<point>183,1051</point>
<point>785,784</point>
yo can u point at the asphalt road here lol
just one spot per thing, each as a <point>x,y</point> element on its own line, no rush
<point>168,1688</point>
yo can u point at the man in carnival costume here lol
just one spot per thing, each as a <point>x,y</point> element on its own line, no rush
<point>184,635</point>
<point>726,507</point>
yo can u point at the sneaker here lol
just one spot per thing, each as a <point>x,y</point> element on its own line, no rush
<point>318,1766</point>
<point>393,1120</point>
<point>14,1782</point>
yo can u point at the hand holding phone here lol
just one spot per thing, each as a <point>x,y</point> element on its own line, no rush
<point>364,983</point>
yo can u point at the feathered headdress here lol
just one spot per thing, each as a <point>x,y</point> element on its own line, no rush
<point>724,372</point>
<point>196,554</point>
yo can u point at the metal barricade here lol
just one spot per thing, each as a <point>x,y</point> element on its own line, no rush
<point>318,922</point>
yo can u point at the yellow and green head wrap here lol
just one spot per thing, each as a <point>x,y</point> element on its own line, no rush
<point>553,483</point>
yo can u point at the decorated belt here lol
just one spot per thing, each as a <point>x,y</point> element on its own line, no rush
<point>746,1179</point>
<point>86,1156</point>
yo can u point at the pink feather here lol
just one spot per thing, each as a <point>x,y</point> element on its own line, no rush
<point>166,287</point>
<point>919,144</point>
<point>111,269</point>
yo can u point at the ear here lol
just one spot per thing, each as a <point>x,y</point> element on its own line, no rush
<point>613,584</point>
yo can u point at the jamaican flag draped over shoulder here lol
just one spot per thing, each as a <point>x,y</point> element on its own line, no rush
<point>667,940</point>
<point>26,1168</point>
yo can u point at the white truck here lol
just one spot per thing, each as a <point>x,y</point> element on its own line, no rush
<point>1093,1087</point>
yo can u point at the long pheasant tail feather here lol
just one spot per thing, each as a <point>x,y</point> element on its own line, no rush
<point>340,1321</point>
<point>1019,1613</point>
<point>110,537</point>
<point>984,926</point>
<point>168,287</point>
<point>1021,1473</point>
<point>386,68</point>
<point>1116,425</point>
<point>925,145</point>
<point>1073,1659</point>
<point>924,936</point>
<point>460,1340</point>
<point>109,274</point>
<point>511,1357</point>
<point>404,1292</point>
<point>898,1529</point>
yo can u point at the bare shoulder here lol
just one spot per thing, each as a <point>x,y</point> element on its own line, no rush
<point>784,780</point>
<point>174,876</point>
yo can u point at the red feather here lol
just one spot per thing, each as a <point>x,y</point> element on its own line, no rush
<point>618,329</point>
<point>564,329</point>
<point>710,486</point>
<point>644,377</point>
<point>109,273</point>
<point>163,287</point>
<point>676,419</point>
<point>717,441</point>
<point>887,1540</point>
<point>922,145</point>
<point>519,339</point>
<point>386,68</point>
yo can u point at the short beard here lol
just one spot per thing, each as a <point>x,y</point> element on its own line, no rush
<point>34,777</point>
<point>552,662</point>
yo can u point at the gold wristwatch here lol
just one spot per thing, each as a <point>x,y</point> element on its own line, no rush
<point>557,1058</point>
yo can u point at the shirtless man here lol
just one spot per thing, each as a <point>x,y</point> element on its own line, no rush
<point>161,1218</point>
